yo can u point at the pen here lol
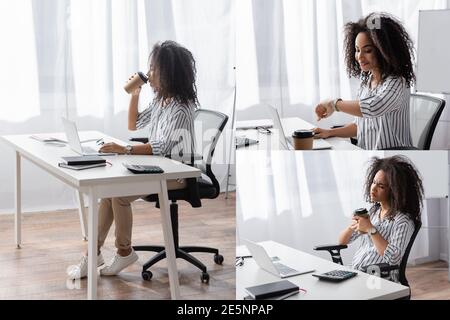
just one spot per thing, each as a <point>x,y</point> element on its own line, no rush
<point>89,140</point>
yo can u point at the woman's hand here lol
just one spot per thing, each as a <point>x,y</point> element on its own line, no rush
<point>321,133</point>
<point>137,91</point>
<point>354,225</point>
<point>363,224</point>
<point>112,147</point>
<point>324,109</point>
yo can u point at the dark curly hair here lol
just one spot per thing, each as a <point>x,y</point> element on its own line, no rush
<point>404,186</point>
<point>175,66</point>
<point>393,47</point>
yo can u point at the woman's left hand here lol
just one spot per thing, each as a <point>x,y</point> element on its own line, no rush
<point>364,224</point>
<point>113,148</point>
<point>324,109</point>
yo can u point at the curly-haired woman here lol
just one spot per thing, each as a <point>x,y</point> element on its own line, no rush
<point>170,120</point>
<point>380,52</point>
<point>395,188</point>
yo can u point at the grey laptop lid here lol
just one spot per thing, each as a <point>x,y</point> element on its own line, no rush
<point>286,142</point>
<point>73,140</point>
<point>263,260</point>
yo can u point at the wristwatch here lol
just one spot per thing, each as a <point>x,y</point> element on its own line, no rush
<point>128,149</point>
<point>335,104</point>
<point>372,231</point>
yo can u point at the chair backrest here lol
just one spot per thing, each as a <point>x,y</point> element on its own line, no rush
<point>425,112</point>
<point>402,269</point>
<point>208,126</point>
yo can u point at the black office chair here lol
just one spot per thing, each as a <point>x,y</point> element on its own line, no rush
<point>425,112</point>
<point>380,269</point>
<point>209,123</point>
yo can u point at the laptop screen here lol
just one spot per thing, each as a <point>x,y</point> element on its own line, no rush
<point>277,126</point>
<point>73,139</point>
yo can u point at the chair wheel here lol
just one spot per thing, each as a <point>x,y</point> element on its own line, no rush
<point>204,277</point>
<point>218,258</point>
<point>147,275</point>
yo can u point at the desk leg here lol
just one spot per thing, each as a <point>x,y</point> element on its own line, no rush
<point>82,213</point>
<point>18,202</point>
<point>92,245</point>
<point>168,241</point>
<point>448,236</point>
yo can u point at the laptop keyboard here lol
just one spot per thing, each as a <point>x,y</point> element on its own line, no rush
<point>89,150</point>
<point>283,269</point>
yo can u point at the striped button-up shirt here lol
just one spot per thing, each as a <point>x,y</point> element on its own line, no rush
<point>397,232</point>
<point>385,121</point>
<point>171,128</point>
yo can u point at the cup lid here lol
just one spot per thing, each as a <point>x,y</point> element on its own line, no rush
<point>303,134</point>
<point>142,76</point>
<point>360,211</point>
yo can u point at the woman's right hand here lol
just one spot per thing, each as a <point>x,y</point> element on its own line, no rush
<point>354,225</point>
<point>321,133</point>
<point>137,91</point>
<point>324,109</point>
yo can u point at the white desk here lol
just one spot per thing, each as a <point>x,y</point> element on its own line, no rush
<point>361,287</point>
<point>103,182</point>
<point>270,142</point>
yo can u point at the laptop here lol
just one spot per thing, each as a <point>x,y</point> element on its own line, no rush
<point>73,140</point>
<point>274,266</point>
<point>287,142</point>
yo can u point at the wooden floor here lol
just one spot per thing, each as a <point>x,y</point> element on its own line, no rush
<point>52,241</point>
<point>429,281</point>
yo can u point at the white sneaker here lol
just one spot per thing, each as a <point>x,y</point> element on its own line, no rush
<point>118,263</point>
<point>80,270</point>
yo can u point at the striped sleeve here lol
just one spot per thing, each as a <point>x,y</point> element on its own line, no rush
<point>388,99</point>
<point>355,235</point>
<point>398,241</point>
<point>144,117</point>
<point>176,137</point>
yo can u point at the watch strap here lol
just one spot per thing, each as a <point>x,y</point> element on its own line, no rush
<point>335,104</point>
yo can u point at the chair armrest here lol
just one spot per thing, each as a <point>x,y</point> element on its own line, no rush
<point>186,158</point>
<point>330,247</point>
<point>143,140</point>
<point>334,250</point>
<point>382,270</point>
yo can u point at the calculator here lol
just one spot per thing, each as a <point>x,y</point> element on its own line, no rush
<point>336,275</point>
<point>142,169</point>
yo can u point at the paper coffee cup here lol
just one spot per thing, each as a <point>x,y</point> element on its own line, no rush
<point>135,82</point>
<point>303,139</point>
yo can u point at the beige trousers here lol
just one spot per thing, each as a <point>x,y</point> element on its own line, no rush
<point>119,211</point>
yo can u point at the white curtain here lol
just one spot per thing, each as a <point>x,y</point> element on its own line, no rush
<point>290,52</point>
<point>72,58</point>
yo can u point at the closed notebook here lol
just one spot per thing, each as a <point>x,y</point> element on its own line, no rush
<point>273,289</point>
<point>82,160</point>
<point>81,166</point>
